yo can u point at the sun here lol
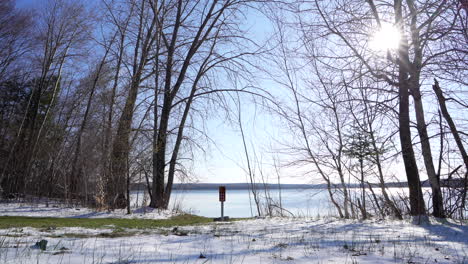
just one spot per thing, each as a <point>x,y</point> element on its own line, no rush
<point>387,37</point>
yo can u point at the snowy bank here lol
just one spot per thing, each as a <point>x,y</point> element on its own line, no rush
<point>271,240</point>
<point>62,210</point>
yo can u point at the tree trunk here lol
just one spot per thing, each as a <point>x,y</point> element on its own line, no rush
<point>456,135</point>
<point>159,149</point>
<point>437,199</point>
<point>411,167</point>
<point>417,206</point>
<point>161,193</point>
<point>107,170</point>
<point>159,157</point>
<point>120,151</point>
<point>121,145</point>
<point>76,171</point>
<point>127,185</point>
<point>363,189</point>
<point>180,133</point>
<point>376,200</point>
<point>247,158</point>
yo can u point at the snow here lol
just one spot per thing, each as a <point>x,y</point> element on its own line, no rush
<point>269,240</point>
<point>62,210</point>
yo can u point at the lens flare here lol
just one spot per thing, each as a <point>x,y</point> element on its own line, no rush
<point>387,37</point>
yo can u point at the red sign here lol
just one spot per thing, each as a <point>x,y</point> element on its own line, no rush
<point>222,193</point>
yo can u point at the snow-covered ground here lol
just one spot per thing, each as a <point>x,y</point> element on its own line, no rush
<point>61,210</point>
<point>270,240</point>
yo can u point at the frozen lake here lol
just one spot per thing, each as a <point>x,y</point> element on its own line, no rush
<point>300,202</point>
<point>239,203</point>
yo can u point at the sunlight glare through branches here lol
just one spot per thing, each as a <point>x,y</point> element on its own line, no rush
<point>385,38</point>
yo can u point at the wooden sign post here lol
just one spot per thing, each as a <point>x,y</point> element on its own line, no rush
<point>222,199</point>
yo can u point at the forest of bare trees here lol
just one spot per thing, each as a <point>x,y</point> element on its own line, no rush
<point>95,93</point>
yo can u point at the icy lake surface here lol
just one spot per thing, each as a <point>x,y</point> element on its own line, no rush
<point>240,203</point>
<point>300,202</point>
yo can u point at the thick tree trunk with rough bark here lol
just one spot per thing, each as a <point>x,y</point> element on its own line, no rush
<point>121,146</point>
<point>120,151</point>
<point>159,158</point>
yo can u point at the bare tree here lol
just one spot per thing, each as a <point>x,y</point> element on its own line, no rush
<point>143,44</point>
<point>76,167</point>
<point>370,108</point>
<point>456,135</point>
<point>191,54</point>
<point>15,26</point>
<point>317,136</point>
<point>423,27</point>
<point>250,171</point>
<point>121,23</point>
<point>63,27</point>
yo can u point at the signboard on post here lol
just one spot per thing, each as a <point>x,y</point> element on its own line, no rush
<point>222,199</point>
<point>222,193</point>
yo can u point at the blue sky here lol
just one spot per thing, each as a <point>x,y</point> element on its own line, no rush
<point>29,3</point>
<point>25,3</point>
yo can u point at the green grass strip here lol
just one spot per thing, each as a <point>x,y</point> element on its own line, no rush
<point>50,222</point>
